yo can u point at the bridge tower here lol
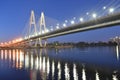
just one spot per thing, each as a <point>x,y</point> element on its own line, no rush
<point>32,25</point>
<point>42,29</point>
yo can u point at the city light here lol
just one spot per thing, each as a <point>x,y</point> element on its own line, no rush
<point>47,30</point>
<point>64,25</point>
<point>57,27</point>
<point>94,15</point>
<point>104,7</point>
<point>81,19</point>
<point>111,10</point>
<point>72,22</point>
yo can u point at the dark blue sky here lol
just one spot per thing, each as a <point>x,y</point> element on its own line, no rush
<point>14,14</point>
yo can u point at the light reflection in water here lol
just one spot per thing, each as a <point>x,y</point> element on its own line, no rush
<point>75,75</point>
<point>53,69</point>
<point>39,63</point>
<point>26,61</point>
<point>83,74</point>
<point>2,54</point>
<point>43,64</point>
<point>115,77</point>
<point>36,63</point>
<point>97,76</point>
<point>59,71</point>
<point>67,75</point>
<point>5,54</point>
<point>117,52</point>
<point>21,59</point>
<point>48,66</point>
<point>32,61</point>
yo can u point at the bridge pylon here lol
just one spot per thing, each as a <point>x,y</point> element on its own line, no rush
<point>42,29</point>
<point>32,25</point>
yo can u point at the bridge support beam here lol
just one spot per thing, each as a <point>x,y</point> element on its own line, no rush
<point>42,29</point>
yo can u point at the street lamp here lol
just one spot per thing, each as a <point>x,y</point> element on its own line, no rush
<point>64,25</point>
<point>94,15</point>
<point>104,7</point>
<point>111,10</point>
<point>81,19</point>
<point>72,22</point>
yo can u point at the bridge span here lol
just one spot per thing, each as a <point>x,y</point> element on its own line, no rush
<point>103,22</point>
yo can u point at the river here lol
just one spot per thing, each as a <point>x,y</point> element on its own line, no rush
<point>83,63</point>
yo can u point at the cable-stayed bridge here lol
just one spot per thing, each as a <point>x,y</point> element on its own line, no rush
<point>37,33</point>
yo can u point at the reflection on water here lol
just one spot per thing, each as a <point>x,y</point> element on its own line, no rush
<point>117,52</point>
<point>38,64</point>
<point>83,74</point>
<point>97,76</point>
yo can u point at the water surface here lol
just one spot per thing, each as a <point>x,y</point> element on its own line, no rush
<point>84,63</point>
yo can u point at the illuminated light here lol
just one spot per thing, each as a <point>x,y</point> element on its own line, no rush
<point>97,76</point>
<point>21,56</point>
<point>39,33</point>
<point>104,7</point>
<point>116,37</point>
<point>115,77</point>
<point>33,35</point>
<point>47,30</point>
<point>94,15</point>
<point>26,61</point>
<point>67,76</point>
<point>43,32</point>
<point>59,71</point>
<point>2,54</point>
<point>83,74</point>
<point>10,55</point>
<point>20,39</point>
<point>111,10</point>
<point>81,19</point>
<point>25,37</point>
<point>16,40</point>
<point>13,57</point>
<point>32,61</point>
<point>48,66</point>
<point>117,52</point>
<point>64,25</point>
<point>57,27</point>
<point>75,72</point>
<point>36,63</point>
<point>1,43</point>
<point>53,68</point>
<point>72,22</point>
<point>5,54</point>
<point>44,64</point>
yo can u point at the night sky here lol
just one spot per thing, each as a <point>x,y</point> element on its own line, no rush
<point>14,14</point>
